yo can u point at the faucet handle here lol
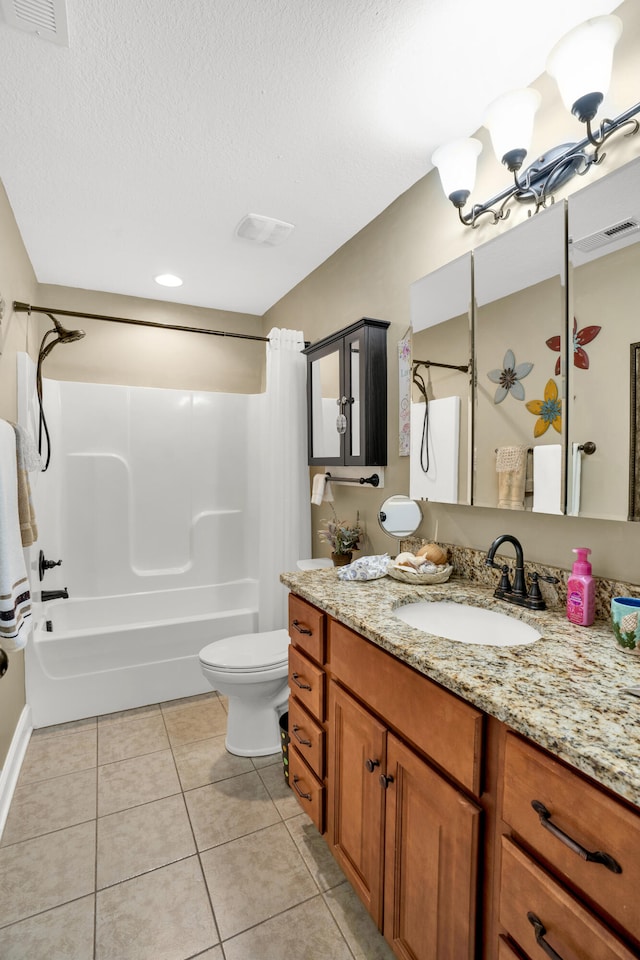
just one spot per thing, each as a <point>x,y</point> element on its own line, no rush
<point>505,584</point>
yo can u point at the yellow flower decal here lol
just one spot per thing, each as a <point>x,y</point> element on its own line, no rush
<point>548,411</point>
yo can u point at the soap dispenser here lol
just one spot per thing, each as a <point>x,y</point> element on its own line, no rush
<point>581,590</point>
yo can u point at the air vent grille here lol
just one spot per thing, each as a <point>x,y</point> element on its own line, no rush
<point>46,18</point>
<point>608,235</point>
<point>264,230</point>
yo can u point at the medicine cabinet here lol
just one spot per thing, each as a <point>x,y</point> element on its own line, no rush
<point>347,396</point>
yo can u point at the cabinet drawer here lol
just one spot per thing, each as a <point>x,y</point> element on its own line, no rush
<point>528,894</point>
<point>306,682</point>
<point>439,724</point>
<point>307,788</point>
<point>580,812</point>
<point>307,736</point>
<point>307,627</point>
<point>506,951</point>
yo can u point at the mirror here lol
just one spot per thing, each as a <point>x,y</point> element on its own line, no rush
<point>325,409</point>
<point>519,333</point>
<point>399,516</point>
<point>602,373</point>
<point>440,456</point>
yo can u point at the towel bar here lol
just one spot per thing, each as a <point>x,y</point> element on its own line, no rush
<point>374,479</point>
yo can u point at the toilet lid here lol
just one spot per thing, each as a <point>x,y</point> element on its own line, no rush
<point>248,651</point>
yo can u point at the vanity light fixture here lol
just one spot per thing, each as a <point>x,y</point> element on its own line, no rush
<point>581,65</point>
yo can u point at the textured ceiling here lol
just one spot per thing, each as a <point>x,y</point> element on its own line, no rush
<point>137,149</point>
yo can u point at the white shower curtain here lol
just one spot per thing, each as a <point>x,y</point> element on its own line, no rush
<point>285,512</point>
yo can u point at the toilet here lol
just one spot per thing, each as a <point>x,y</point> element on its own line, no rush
<point>252,670</point>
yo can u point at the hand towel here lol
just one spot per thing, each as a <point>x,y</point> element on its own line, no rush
<point>576,480</point>
<point>440,482</point>
<point>321,490</point>
<point>547,478</point>
<point>511,467</point>
<point>15,596</point>
<point>25,451</point>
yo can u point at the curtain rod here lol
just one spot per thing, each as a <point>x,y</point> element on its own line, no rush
<point>28,308</point>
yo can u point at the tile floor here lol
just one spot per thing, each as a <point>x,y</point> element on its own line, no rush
<point>136,836</point>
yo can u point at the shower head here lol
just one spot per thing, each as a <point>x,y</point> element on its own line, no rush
<point>62,336</point>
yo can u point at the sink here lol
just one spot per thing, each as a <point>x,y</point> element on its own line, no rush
<point>467,624</point>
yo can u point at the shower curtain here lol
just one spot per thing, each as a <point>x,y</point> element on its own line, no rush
<point>285,512</point>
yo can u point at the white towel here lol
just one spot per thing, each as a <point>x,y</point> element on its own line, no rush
<point>576,480</point>
<point>321,490</point>
<point>440,482</point>
<point>547,478</point>
<point>15,596</point>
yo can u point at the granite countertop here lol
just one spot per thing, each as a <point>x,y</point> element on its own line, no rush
<point>563,691</point>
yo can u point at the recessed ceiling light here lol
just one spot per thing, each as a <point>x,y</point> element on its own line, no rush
<point>168,280</point>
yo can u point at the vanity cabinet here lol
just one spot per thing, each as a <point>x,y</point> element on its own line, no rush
<point>307,686</point>
<point>570,853</point>
<point>347,396</point>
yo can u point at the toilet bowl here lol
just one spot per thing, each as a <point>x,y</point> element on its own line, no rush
<point>252,671</point>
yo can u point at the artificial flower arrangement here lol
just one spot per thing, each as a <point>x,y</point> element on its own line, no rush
<point>342,535</point>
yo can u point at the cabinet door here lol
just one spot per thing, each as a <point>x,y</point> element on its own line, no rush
<point>356,799</point>
<point>431,861</point>
<point>325,393</point>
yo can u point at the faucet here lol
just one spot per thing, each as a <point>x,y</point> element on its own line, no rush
<point>517,593</point>
<point>54,594</point>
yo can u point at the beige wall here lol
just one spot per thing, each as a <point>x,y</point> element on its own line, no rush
<point>17,282</point>
<point>371,275</point>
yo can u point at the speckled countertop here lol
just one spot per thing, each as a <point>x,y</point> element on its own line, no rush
<point>563,691</point>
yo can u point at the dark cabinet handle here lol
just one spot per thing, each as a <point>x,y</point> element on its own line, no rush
<point>371,765</point>
<point>385,780</point>
<point>302,686</point>
<point>294,731</point>
<point>540,932</point>
<point>305,796</point>
<point>301,629</point>
<point>593,856</point>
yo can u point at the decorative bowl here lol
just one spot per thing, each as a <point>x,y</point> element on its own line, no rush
<point>625,619</point>
<point>406,575</point>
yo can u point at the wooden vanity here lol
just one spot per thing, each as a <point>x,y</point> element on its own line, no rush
<point>463,838</point>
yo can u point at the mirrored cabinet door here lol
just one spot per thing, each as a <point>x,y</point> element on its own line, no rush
<point>325,393</point>
<point>441,406</point>
<point>603,394</point>
<point>519,337</point>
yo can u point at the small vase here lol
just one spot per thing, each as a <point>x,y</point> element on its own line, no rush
<point>341,559</point>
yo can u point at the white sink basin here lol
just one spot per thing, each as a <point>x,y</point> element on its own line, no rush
<point>467,624</point>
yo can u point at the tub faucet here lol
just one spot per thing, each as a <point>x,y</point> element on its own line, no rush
<point>505,591</point>
<point>54,594</point>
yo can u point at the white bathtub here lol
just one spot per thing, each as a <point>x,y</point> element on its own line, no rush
<point>114,653</point>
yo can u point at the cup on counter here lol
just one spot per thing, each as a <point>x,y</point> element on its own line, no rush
<point>625,619</point>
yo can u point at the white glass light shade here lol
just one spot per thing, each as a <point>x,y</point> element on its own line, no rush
<point>581,61</point>
<point>456,162</point>
<point>509,120</point>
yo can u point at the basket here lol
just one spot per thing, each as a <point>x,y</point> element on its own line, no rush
<point>406,576</point>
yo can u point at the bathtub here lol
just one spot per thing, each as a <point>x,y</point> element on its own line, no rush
<point>114,653</point>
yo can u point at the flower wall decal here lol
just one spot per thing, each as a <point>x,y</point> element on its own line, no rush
<point>509,377</point>
<point>548,411</point>
<point>580,338</point>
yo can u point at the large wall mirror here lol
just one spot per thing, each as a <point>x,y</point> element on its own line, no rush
<point>520,333</point>
<point>441,407</point>
<point>603,390</point>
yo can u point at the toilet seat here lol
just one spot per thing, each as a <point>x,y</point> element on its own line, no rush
<point>248,652</point>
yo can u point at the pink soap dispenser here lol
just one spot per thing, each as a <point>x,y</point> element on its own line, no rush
<point>581,590</point>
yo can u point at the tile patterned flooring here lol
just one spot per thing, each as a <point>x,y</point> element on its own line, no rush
<point>136,836</point>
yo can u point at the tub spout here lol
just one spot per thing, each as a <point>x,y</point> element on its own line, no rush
<point>54,594</point>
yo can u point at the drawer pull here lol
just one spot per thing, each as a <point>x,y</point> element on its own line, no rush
<point>540,931</point>
<point>305,796</point>
<point>595,857</point>
<point>296,679</point>
<point>371,764</point>
<point>294,731</point>
<point>301,629</point>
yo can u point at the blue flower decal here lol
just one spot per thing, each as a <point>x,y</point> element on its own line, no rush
<point>508,379</point>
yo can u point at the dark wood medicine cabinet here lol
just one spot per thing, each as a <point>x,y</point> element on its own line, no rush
<point>347,396</point>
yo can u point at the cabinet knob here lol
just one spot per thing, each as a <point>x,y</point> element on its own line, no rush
<point>385,780</point>
<point>371,765</point>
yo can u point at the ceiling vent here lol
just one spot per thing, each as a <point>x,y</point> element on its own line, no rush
<point>608,235</point>
<point>264,230</point>
<point>46,18</point>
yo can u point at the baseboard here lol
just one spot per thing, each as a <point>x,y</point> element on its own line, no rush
<point>13,763</point>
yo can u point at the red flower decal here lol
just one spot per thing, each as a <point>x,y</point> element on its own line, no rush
<point>580,338</point>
